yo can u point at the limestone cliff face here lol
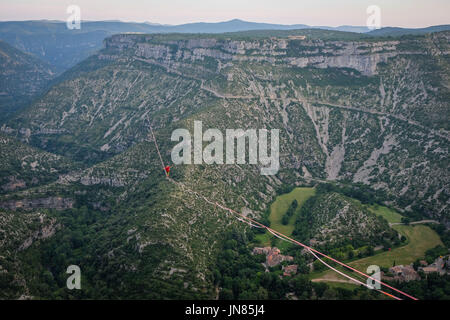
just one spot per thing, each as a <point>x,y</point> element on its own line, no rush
<point>361,56</point>
<point>28,204</point>
<point>365,63</point>
<point>87,179</point>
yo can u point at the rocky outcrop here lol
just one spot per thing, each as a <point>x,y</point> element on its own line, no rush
<point>46,231</point>
<point>365,63</point>
<point>13,184</point>
<point>91,180</point>
<point>48,203</point>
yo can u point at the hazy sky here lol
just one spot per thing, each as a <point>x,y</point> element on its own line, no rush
<point>403,13</point>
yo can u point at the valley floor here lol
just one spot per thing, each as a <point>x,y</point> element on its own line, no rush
<point>420,239</point>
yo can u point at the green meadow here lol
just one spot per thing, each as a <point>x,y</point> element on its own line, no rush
<point>390,215</point>
<point>278,208</point>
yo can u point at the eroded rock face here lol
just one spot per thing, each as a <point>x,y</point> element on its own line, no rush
<point>13,184</point>
<point>366,64</point>
<point>46,231</point>
<point>361,56</point>
<point>90,179</point>
<point>27,204</point>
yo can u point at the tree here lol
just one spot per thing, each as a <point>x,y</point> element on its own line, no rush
<point>330,294</point>
<point>406,220</point>
<point>319,288</point>
<point>301,284</point>
<point>351,254</point>
<point>262,294</point>
<point>226,294</point>
<point>318,266</point>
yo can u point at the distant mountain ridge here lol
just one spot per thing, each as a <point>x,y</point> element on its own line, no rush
<point>200,27</point>
<point>396,31</point>
<point>54,43</point>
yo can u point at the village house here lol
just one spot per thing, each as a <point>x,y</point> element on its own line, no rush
<point>404,273</point>
<point>273,256</point>
<point>440,265</point>
<point>290,270</point>
<point>430,269</point>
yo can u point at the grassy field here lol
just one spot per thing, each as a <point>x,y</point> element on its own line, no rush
<point>420,239</point>
<point>348,286</point>
<point>279,208</point>
<point>389,214</point>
